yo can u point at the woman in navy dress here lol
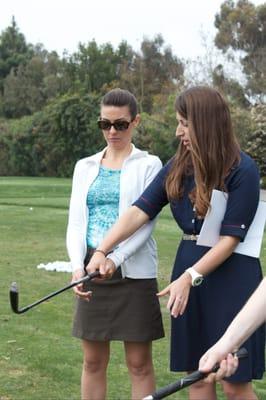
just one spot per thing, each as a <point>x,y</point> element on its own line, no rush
<point>209,285</point>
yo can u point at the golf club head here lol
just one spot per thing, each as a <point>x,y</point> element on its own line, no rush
<point>13,295</point>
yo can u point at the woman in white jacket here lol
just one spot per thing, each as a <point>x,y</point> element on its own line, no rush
<point>125,307</point>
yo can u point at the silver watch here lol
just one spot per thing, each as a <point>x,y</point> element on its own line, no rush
<point>196,278</point>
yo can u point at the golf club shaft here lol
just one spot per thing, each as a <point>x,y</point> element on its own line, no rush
<point>188,380</point>
<point>49,296</point>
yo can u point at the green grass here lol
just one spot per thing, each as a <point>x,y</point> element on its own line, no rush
<point>39,359</point>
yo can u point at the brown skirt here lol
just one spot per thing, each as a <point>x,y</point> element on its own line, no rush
<point>120,309</point>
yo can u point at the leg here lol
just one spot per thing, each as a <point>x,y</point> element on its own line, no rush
<point>95,361</point>
<point>140,368</point>
<point>202,390</point>
<point>239,391</point>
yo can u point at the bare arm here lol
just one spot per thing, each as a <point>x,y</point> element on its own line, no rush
<point>127,224</point>
<point>216,255</point>
<point>133,219</point>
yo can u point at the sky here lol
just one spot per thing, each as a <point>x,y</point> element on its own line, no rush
<point>60,25</point>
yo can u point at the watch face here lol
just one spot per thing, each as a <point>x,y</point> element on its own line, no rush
<point>197,281</point>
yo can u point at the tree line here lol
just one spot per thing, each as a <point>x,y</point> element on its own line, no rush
<point>49,104</point>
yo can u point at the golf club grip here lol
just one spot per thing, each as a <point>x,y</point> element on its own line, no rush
<point>176,386</point>
<point>74,283</point>
<point>188,380</point>
<point>84,279</point>
<point>69,286</point>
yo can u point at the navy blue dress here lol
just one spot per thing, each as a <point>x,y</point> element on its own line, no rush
<point>213,304</point>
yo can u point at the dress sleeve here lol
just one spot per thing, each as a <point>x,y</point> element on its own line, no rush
<point>243,199</point>
<point>154,198</point>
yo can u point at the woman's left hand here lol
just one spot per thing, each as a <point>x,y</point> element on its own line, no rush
<point>178,292</point>
<point>105,266</point>
<point>96,263</point>
<point>108,269</point>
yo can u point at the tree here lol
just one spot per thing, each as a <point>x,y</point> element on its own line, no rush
<point>152,72</point>
<point>159,70</point>
<point>156,132</point>
<point>256,145</point>
<point>23,94</point>
<point>230,87</point>
<point>16,147</point>
<point>242,27</point>
<point>64,132</point>
<point>14,51</point>
<point>93,67</point>
<point>28,88</point>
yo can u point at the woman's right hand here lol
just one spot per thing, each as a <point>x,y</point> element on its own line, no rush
<point>217,355</point>
<point>79,289</point>
<point>178,292</point>
<point>96,263</point>
<point>99,262</point>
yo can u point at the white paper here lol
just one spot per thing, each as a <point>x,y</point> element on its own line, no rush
<point>210,231</point>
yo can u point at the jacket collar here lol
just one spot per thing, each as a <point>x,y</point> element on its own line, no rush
<point>135,153</point>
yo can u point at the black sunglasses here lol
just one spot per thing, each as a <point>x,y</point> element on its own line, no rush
<point>106,125</point>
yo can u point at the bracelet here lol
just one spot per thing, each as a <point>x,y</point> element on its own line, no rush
<point>100,251</point>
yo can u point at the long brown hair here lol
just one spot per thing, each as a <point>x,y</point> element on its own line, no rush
<point>213,146</point>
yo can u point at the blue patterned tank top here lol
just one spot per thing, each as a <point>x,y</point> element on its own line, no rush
<point>103,204</point>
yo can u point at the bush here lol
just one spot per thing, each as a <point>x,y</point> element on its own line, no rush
<point>51,142</point>
<point>66,131</point>
<point>13,139</point>
<point>256,145</point>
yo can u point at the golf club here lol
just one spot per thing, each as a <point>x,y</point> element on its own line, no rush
<point>188,380</point>
<point>14,297</point>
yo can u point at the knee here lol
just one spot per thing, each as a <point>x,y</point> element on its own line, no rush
<point>231,393</point>
<point>238,391</point>
<point>93,366</point>
<point>138,367</point>
<point>202,390</point>
<point>201,385</point>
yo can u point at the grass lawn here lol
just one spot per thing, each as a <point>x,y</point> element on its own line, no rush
<point>39,359</point>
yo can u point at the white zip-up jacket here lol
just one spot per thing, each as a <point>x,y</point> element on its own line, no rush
<point>136,255</point>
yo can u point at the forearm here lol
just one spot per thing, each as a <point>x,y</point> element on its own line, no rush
<point>76,249</point>
<point>77,223</point>
<point>216,255</point>
<point>127,224</point>
<point>129,247</point>
<point>76,243</point>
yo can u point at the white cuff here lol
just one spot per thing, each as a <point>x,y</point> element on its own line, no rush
<point>116,257</point>
<point>77,267</point>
